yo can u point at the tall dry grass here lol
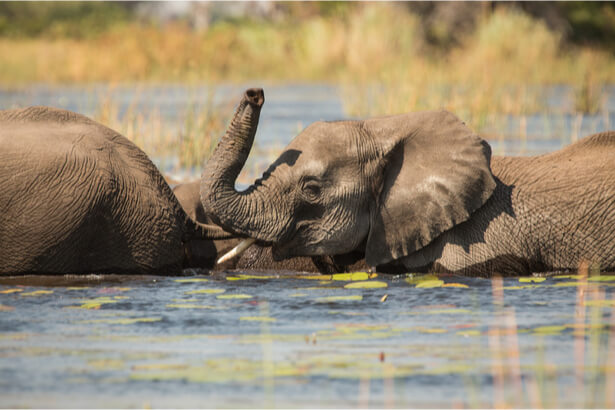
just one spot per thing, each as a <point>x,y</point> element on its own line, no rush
<point>176,145</point>
<point>376,51</point>
<point>500,69</point>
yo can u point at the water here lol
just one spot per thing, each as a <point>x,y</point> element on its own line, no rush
<point>276,340</point>
<point>240,339</point>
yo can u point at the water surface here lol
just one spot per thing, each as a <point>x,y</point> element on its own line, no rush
<point>241,339</point>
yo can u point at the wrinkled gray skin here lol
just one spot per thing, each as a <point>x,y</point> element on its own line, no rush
<point>77,197</point>
<point>203,253</point>
<point>418,192</point>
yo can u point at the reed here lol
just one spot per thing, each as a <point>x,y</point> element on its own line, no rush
<point>177,145</point>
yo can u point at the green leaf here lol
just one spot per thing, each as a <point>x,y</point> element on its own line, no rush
<point>369,284</point>
<point>601,303</point>
<point>15,290</point>
<point>418,279</point>
<point>189,306</point>
<point>532,279</point>
<point>235,296</point>
<point>257,319</point>
<point>122,321</point>
<point>602,278</point>
<point>206,291</point>
<point>351,276</point>
<point>430,284</point>
<point>327,299</point>
<point>191,280</point>
<point>37,293</point>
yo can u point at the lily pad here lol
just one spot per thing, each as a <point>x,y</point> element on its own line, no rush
<point>206,291</point>
<point>37,293</point>
<point>601,303</point>
<point>122,321</point>
<point>351,276</point>
<point>14,290</point>
<point>235,296</point>
<point>191,280</point>
<point>189,306</point>
<point>602,278</point>
<point>455,285</point>
<point>436,283</point>
<point>257,319</point>
<point>532,279</point>
<point>327,299</point>
<point>369,284</point>
<point>549,330</point>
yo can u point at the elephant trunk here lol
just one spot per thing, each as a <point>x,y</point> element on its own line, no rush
<point>246,213</point>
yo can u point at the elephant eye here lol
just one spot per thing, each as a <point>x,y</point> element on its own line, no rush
<point>311,190</point>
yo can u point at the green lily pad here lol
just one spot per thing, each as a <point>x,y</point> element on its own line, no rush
<point>532,279</point>
<point>437,283</point>
<point>235,296</point>
<point>122,321</point>
<point>369,284</point>
<point>189,306</point>
<point>257,319</point>
<point>205,291</point>
<point>327,299</point>
<point>191,280</point>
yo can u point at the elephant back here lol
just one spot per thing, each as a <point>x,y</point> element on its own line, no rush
<point>78,196</point>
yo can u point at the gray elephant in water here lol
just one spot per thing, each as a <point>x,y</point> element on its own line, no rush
<point>77,197</point>
<point>418,192</point>
<point>204,253</point>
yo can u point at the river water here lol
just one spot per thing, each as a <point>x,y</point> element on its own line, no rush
<point>263,339</point>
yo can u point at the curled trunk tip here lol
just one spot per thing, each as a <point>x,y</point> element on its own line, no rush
<point>255,96</point>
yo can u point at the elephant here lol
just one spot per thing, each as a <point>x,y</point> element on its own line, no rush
<point>418,192</point>
<point>203,253</point>
<point>77,198</point>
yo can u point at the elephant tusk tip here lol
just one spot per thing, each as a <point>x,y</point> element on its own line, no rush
<point>237,250</point>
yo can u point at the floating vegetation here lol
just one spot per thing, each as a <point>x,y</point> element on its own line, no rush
<point>190,306</point>
<point>235,296</point>
<point>14,290</point>
<point>437,283</point>
<point>350,298</point>
<point>371,284</point>
<point>532,279</point>
<point>37,293</point>
<point>257,319</point>
<point>205,291</point>
<point>191,280</point>
<point>121,321</point>
<point>96,303</point>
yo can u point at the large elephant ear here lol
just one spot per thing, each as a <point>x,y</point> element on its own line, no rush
<point>434,174</point>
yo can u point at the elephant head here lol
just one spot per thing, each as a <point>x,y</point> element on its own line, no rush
<point>385,186</point>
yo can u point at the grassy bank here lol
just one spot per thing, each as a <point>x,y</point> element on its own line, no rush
<point>379,53</point>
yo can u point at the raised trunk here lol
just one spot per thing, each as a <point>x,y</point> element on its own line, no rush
<point>245,213</point>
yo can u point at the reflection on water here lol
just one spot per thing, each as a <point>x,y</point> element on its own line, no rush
<point>254,340</point>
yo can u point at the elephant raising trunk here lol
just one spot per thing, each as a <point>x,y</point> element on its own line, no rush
<point>245,213</point>
<point>418,192</point>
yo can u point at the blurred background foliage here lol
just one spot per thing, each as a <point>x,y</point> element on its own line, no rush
<point>68,42</point>
<point>481,60</point>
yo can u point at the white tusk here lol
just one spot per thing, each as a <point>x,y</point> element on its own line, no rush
<point>237,250</point>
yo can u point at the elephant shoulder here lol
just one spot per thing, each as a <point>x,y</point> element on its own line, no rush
<point>602,140</point>
<point>596,148</point>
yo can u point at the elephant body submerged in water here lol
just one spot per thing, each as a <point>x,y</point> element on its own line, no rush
<point>204,253</point>
<point>77,197</point>
<point>418,192</point>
